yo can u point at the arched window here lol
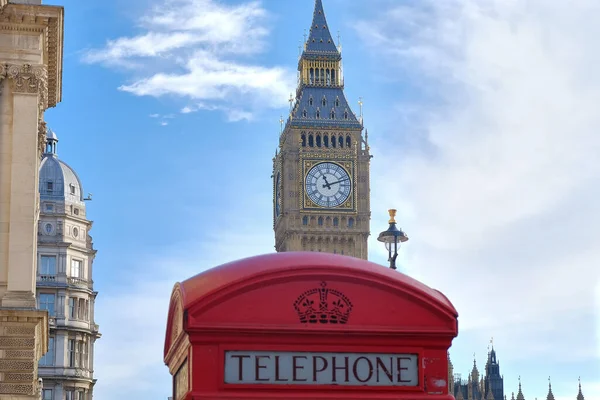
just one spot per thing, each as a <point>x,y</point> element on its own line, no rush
<point>350,222</point>
<point>333,77</point>
<point>333,141</point>
<point>332,114</point>
<point>317,75</point>
<point>328,77</point>
<point>324,101</point>
<point>337,102</point>
<point>325,140</point>
<point>318,114</point>
<point>311,142</point>
<point>305,220</point>
<point>322,76</point>
<point>348,142</point>
<point>303,138</point>
<point>310,101</point>
<point>341,141</point>
<point>320,221</point>
<point>318,140</point>
<point>345,114</point>
<point>304,113</point>
<point>312,76</point>
<point>336,221</point>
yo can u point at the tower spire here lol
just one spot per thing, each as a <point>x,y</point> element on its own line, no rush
<point>319,38</point>
<point>580,394</point>
<point>520,394</point>
<point>550,394</point>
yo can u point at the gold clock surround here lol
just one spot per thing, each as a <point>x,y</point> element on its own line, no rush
<point>305,201</point>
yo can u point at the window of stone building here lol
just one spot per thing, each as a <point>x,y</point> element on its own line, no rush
<point>80,395</point>
<point>320,221</point>
<point>72,188</point>
<point>79,354</point>
<point>47,265</point>
<point>47,394</point>
<point>49,186</point>
<point>46,301</point>
<point>76,211</point>
<point>85,356</point>
<point>72,307</point>
<point>48,358</point>
<point>351,222</point>
<point>60,309</point>
<point>71,355</point>
<point>49,208</point>
<point>304,220</point>
<point>48,228</point>
<point>81,309</point>
<point>76,271</point>
<point>336,221</point>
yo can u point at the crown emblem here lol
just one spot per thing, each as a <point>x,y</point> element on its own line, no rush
<point>323,306</point>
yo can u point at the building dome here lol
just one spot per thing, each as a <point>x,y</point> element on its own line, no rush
<point>58,181</point>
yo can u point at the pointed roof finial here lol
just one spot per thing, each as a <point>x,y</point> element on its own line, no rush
<point>550,394</point>
<point>580,394</point>
<point>520,394</point>
<point>319,38</point>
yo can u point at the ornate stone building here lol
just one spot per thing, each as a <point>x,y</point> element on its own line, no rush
<point>64,281</point>
<point>30,82</point>
<point>321,168</point>
<point>489,385</point>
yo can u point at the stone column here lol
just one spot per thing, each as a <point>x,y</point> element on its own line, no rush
<point>21,101</point>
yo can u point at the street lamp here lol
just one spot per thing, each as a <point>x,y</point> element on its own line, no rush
<point>391,237</point>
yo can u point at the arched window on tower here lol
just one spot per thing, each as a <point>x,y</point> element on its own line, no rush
<point>322,76</point>
<point>305,220</point>
<point>333,77</point>
<point>320,221</point>
<point>310,101</point>
<point>337,101</point>
<point>341,141</point>
<point>326,140</point>
<point>318,113</point>
<point>348,142</point>
<point>336,221</point>
<point>304,113</point>
<point>318,140</point>
<point>311,142</point>
<point>328,77</point>
<point>317,76</point>
<point>312,76</point>
<point>350,222</point>
<point>332,114</point>
<point>303,138</point>
<point>346,114</point>
<point>324,101</point>
<point>333,141</point>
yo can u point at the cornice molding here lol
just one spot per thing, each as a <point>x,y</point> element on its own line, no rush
<point>49,22</point>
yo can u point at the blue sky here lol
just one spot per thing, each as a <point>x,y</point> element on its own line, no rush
<point>482,118</point>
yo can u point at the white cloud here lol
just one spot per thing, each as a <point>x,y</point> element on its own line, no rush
<point>201,50</point>
<point>498,171</point>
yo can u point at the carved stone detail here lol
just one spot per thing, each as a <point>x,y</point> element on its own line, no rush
<point>28,79</point>
<point>42,131</point>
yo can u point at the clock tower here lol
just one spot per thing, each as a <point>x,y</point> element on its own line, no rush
<point>321,169</point>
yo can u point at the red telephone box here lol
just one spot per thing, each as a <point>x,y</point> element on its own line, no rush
<point>308,326</point>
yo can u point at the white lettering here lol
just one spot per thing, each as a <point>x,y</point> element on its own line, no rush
<point>304,368</point>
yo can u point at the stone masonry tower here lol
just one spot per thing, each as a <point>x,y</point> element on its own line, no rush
<point>321,170</point>
<point>31,43</point>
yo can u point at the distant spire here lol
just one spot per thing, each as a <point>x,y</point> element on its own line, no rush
<point>550,394</point>
<point>513,396</point>
<point>319,39</point>
<point>580,394</point>
<point>520,394</point>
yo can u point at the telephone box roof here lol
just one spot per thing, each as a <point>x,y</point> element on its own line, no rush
<point>215,279</point>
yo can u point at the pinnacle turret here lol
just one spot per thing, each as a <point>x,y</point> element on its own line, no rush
<point>550,394</point>
<point>520,394</point>
<point>580,394</point>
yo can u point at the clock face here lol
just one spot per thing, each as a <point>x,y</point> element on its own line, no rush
<point>328,184</point>
<point>277,195</point>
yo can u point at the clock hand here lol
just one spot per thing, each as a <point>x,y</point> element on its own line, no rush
<point>333,183</point>
<point>327,184</point>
